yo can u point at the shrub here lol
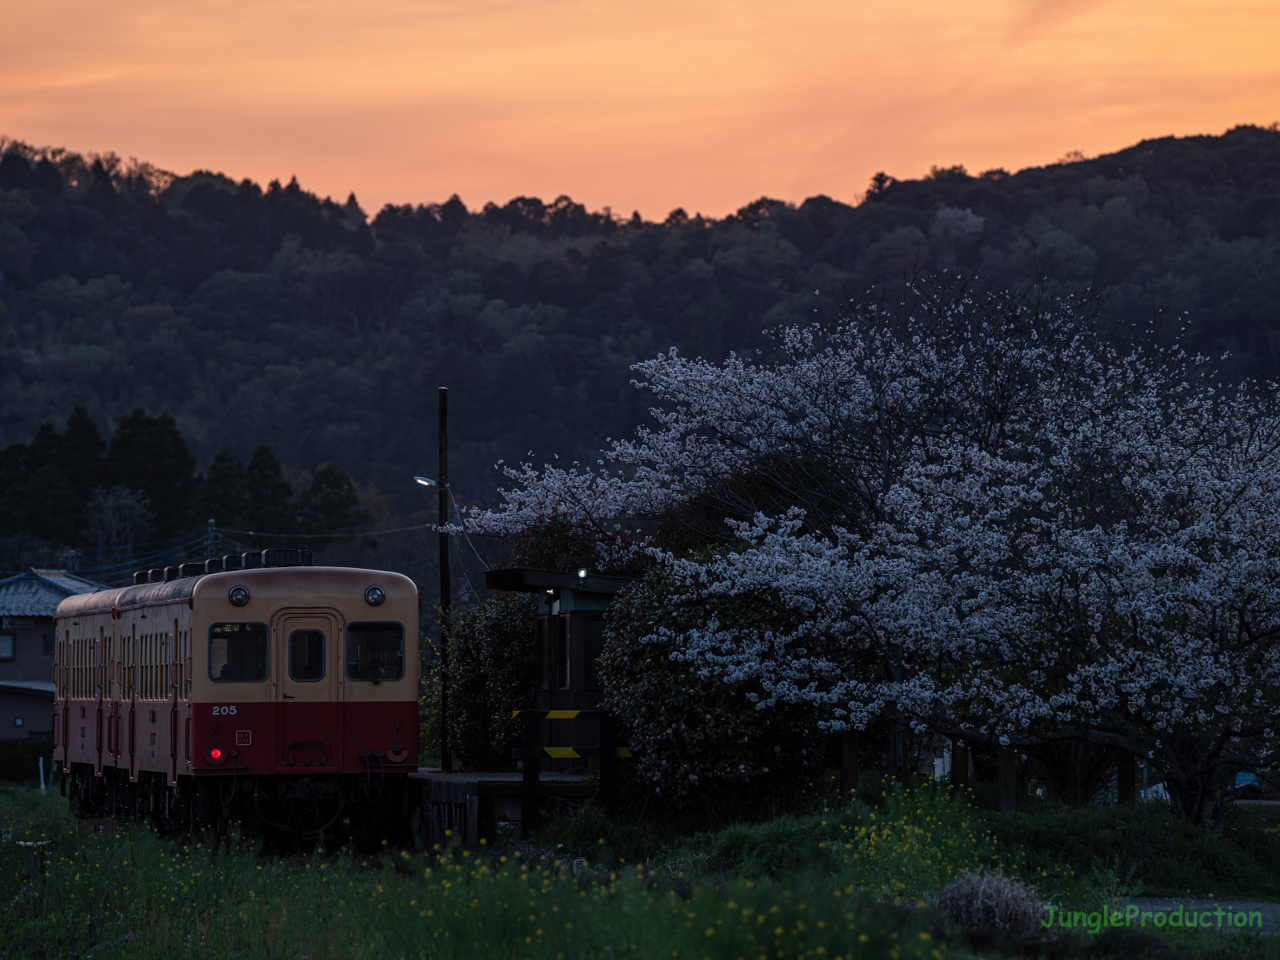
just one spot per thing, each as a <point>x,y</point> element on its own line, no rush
<point>917,841</point>
<point>429,708</point>
<point>989,902</point>
<point>700,738</point>
<point>493,671</point>
<point>1147,844</point>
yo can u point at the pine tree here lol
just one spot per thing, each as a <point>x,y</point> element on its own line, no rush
<point>149,455</point>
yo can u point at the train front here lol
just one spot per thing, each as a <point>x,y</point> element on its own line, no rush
<point>303,713</point>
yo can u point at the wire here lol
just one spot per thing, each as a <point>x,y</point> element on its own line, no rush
<point>325,536</point>
<point>65,550</point>
<point>370,533</point>
<point>467,536</point>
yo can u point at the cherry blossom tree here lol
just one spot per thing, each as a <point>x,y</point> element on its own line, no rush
<point>985,521</point>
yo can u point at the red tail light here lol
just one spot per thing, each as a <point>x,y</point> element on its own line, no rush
<point>215,753</point>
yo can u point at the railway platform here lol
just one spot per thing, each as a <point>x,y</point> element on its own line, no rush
<point>471,804</point>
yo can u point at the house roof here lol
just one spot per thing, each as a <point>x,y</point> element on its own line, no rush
<point>37,593</point>
<point>33,687</point>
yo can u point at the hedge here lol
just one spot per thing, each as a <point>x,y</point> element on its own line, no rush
<point>493,670</point>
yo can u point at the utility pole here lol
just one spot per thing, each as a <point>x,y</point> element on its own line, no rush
<point>446,590</point>
<point>211,541</point>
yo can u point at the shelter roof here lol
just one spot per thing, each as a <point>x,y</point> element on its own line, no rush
<point>526,580</point>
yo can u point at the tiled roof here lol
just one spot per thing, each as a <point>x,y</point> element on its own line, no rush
<point>37,593</point>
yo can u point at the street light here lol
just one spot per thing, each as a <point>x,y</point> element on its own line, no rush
<point>425,481</point>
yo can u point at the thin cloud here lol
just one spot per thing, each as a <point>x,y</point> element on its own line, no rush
<point>701,104</point>
<point>1036,17</point>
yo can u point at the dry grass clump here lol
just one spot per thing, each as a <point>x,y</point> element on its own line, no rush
<point>988,902</point>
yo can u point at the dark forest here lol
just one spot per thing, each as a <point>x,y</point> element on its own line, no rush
<point>295,343</point>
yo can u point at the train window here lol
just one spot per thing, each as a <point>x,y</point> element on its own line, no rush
<point>306,655</point>
<point>375,651</point>
<point>6,646</point>
<point>238,652</point>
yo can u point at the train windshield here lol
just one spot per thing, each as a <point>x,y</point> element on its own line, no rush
<point>375,651</point>
<point>238,652</point>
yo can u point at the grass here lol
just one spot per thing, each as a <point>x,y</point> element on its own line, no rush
<point>845,882</point>
<point>1144,850</point>
<point>127,893</point>
<point>906,846</point>
<point>911,843</point>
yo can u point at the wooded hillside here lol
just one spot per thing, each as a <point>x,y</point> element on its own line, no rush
<point>273,316</point>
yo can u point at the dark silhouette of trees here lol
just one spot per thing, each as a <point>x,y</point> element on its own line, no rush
<point>224,492</point>
<point>149,455</point>
<point>271,315</point>
<point>45,485</point>
<point>268,506</point>
<point>60,491</point>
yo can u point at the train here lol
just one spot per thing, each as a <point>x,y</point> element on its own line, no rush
<point>255,689</point>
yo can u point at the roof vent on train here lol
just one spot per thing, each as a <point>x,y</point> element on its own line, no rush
<point>213,565</point>
<point>190,569</point>
<point>140,576</point>
<point>286,558</point>
<point>170,573</point>
<point>155,575</point>
<point>251,561</point>
<point>232,562</point>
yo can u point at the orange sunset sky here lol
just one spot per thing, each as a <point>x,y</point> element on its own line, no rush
<point>648,106</point>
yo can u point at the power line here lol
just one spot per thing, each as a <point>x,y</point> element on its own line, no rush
<point>463,528</point>
<point>326,536</point>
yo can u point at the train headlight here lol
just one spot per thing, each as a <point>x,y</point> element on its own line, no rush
<point>238,596</point>
<point>375,595</point>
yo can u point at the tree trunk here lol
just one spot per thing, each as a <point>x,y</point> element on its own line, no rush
<point>1126,779</point>
<point>1078,773</point>
<point>1008,779</point>
<point>897,755</point>
<point>848,766</point>
<point>959,765</point>
<point>1200,800</point>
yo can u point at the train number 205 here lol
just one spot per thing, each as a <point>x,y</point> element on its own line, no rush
<point>224,711</point>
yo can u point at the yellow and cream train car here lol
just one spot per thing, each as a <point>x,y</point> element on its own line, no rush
<point>279,695</point>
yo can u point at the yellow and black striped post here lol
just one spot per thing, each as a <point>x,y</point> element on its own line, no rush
<point>608,766</point>
<point>608,751</point>
<point>529,782</point>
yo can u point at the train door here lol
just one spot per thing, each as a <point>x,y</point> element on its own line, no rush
<point>180,641</point>
<point>129,686</point>
<point>109,697</point>
<point>309,662</point>
<point>95,666</point>
<point>60,673</point>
